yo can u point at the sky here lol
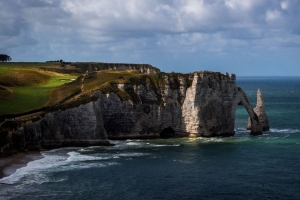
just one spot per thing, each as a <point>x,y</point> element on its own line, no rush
<point>244,37</point>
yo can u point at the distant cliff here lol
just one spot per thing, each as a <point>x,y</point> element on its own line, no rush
<point>143,68</point>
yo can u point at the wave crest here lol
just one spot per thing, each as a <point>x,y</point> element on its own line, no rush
<point>287,130</point>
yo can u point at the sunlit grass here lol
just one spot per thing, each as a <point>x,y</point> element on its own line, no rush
<point>31,97</point>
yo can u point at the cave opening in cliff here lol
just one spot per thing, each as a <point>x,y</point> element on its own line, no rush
<point>167,132</point>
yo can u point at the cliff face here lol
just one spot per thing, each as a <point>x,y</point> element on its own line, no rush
<point>209,106</point>
<point>206,108</point>
<point>199,104</point>
<point>81,126</point>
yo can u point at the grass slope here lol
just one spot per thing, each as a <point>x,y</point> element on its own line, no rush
<point>27,86</point>
<point>65,92</point>
<point>31,97</point>
<point>23,78</point>
<point>106,81</point>
<point>5,92</point>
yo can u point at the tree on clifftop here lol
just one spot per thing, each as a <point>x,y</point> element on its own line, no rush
<point>4,58</point>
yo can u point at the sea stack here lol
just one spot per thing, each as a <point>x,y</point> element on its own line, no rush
<point>260,111</point>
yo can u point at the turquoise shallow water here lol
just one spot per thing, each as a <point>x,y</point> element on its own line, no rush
<point>239,167</point>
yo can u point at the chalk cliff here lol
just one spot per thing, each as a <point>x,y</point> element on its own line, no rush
<point>197,104</point>
<point>80,126</point>
<point>261,113</point>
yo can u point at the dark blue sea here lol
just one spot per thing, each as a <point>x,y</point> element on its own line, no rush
<point>239,167</point>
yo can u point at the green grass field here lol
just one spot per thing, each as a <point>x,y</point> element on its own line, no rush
<point>30,84</point>
<point>31,97</point>
<point>12,67</point>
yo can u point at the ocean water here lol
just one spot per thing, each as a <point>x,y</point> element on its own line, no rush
<point>239,167</point>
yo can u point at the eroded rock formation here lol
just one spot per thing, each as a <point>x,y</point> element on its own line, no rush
<point>261,113</point>
<point>199,104</point>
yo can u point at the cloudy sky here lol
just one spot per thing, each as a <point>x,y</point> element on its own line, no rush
<point>245,37</point>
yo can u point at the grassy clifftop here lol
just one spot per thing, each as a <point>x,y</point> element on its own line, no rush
<point>28,91</point>
<point>33,87</point>
<point>27,88</point>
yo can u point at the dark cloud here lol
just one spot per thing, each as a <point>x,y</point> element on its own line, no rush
<point>11,24</point>
<point>84,29</point>
<point>15,30</point>
<point>34,3</point>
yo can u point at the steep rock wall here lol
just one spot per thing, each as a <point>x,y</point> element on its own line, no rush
<point>199,104</point>
<point>209,106</point>
<point>81,126</point>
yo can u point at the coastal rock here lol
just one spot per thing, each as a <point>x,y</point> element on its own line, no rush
<point>256,128</point>
<point>81,126</point>
<point>209,107</point>
<point>198,104</point>
<point>261,113</point>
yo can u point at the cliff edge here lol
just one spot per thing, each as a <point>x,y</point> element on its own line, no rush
<point>144,105</point>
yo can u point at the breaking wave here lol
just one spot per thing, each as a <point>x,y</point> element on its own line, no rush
<point>64,160</point>
<point>287,130</point>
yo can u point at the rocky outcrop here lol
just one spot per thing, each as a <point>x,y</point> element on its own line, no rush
<point>256,128</point>
<point>261,113</point>
<point>198,104</point>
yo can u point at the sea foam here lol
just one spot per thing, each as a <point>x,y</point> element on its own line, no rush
<point>287,130</point>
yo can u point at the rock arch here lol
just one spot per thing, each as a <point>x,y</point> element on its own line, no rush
<point>256,128</point>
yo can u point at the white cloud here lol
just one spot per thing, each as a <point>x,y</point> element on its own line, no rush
<point>241,4</point>
<point>274,15</point>
<point>284,5</point>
